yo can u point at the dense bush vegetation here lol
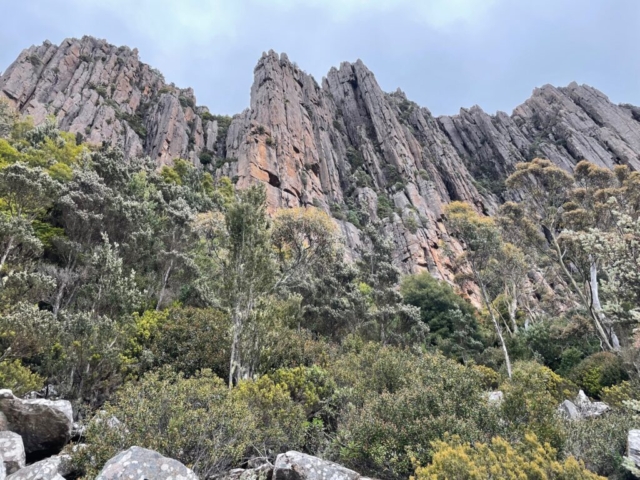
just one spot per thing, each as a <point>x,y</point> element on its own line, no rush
<point>177,314</point>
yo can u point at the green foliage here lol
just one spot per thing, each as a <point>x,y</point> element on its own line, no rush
<point>187,339</point>
<point>528,460</point>
<point>381,437</point>
<point>385,207</point>
<point>451,320</point>
<point>531,398</point>
<point>196,421</point>
<point>600,442</point>
<point>598,371</point>
<point>18,378</point>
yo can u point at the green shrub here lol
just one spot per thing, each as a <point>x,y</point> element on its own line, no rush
<point>439,396</point>
<point>18,378</point>
<point>196,421</point>
<point>597,371</point>
<point>281,422</point>
<point>531,399</point>
<point>206,157</point>
<point>600,442</point>
<point>192,339</point>
<point>451,319</point>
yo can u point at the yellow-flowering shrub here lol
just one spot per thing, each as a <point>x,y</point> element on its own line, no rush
<point>528,460</point>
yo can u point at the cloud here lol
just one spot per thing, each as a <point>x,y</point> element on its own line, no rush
<point>444,53</point>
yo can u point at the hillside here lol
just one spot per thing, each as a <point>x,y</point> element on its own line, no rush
<point>344,145</point>
<point>332,275</point>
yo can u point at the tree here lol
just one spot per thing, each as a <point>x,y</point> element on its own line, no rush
<point>482,242</point>
<point>257,261</point>
<point>451,319</point>
<point>387,319</point>
<point>546,190</point>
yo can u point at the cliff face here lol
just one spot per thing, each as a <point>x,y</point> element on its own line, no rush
<point>344,146</point>
<point>105,94</point>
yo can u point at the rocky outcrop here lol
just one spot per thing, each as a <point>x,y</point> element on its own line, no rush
<point>342,145</point>
<point>12,452</point>
<point>139,462</point>
<point>103,94</point>
<point>582,407</point>
<point>48,469</point>
<point>299,466</point>
<point>633,447</point>
<point>44,425</point>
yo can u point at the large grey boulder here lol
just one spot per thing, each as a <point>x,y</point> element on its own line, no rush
<point>633,440</point>
<point>569,410</point>
<point>48,469</point>
<point>140,463</point>
<point>582,407</point>
<point>44,425</point>
<point>588,408</point>
<point>12,451</point>
<point>299,466</point>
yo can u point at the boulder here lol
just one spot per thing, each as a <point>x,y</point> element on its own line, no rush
<point>48,469</point>
<point>44,425</point>
<point>299,466</point>
<point>569,410</point>
<point>633,447</point>
<point>587,408</point>
<point>495,398</point>
<point>263,472</point>
<point>141,463</point>
<point>12,451</point>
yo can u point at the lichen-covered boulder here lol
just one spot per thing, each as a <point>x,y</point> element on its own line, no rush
<point>141,463</point>
<point>48,469</point>
<point>44,425</point>
<point>299,466</point>
<point>12,451</point>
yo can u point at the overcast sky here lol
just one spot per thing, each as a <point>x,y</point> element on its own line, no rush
<point>445,54</point>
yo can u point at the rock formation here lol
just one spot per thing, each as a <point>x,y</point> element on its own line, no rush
<point>343,145</point>
<point>139,462</point>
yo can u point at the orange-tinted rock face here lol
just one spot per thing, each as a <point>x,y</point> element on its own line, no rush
<point>344,146</point>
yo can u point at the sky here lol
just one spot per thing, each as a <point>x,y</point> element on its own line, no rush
<point>444,54</point>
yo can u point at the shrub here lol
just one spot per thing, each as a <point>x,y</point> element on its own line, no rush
<point>530,403</point>
<point>206,157</point>
<point>195,420</point>
<point>18,378</point>
<point>439,397</point>
<point>597,371</point>
<point>451,319</point>
<point>192,339</point>
<point>529,460</point>
<point>600,442</point>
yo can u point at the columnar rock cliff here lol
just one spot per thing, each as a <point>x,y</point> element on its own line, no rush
<point>343,145</point>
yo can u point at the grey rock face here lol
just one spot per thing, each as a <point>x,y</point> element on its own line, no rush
<point>633,440</point>
<point>48,469</point>
<point>495,398</point>
<point>582,407</point>
<point>569,410</point>
<point>139,462</point>
<point>342,145</point>
<point>105,94</point>
<point>45,426</point>
<point>299,466</point>
<point>12,452</point>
